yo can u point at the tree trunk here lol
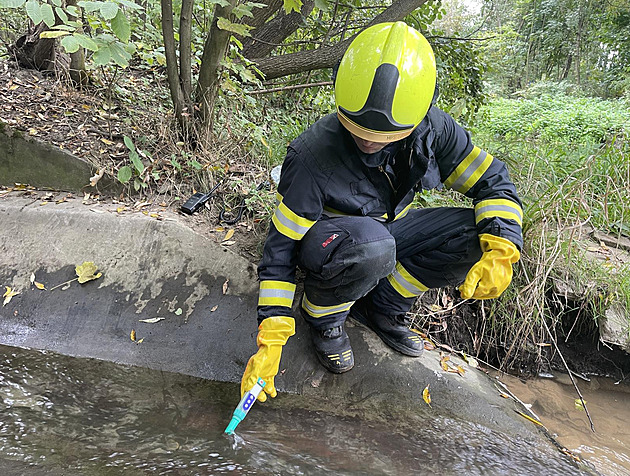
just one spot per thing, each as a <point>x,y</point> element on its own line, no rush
<point>172,70</point>
<point>214,50</point>
<point>31,51</point>
<point>267,37</point>
<point>328,57</point>
<point>261,15</point>
<point>77,71</point>
<point>185,48</point>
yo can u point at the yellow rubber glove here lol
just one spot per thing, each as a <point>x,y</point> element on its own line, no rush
<point>273,333</point>
<point>492,274</point>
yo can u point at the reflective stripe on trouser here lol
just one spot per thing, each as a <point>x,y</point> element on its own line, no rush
<point>346,257</point>
<point>435,247</point>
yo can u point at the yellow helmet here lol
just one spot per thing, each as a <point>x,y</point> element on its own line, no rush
<point>385,82</point>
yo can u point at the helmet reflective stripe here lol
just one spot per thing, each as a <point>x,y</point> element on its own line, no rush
<point>385,82</point>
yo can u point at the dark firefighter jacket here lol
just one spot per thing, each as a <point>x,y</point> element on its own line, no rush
<point>325,174</point>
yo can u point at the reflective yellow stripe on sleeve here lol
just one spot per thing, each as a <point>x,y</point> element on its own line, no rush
<point>276,293</point>
<point>469,171</point>
<point>316,311</point>
<point>289,223</point>
<point>499,207</point>
<point>404,283</point>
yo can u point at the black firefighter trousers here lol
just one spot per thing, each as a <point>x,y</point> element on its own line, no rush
<point>345,258</point>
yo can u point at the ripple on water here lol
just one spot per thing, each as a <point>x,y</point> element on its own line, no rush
<point>77,416</point>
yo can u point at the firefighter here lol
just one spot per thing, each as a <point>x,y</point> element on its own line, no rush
<point>345,210</point>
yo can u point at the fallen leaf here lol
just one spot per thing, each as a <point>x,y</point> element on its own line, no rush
<point>8,295</point>
<point>228,243</point>
<point>229,234</point>
<point>460,370</point>
<point>39,286</point>
<point>32,278</point>
<point>470,361</point>
<point>153,320</point>
<point>428,345</point>
<point>133,335</point>
<point>444,365</point>
<point>225,286</point>
<point>86,272</point>
<point>579,405</point>
<point>179,311</point>
<point>214,308</point>
<point>96,177</point>
<point>140,341</point>
<point>426,396</point>
<point>504,395</point>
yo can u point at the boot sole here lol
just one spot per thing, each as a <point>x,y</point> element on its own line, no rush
<point>397,346</point>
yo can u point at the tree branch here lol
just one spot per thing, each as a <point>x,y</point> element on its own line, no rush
<point>289,88</point>
<point>327,57</point>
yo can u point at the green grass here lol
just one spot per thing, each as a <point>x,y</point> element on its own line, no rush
<point>570,160</point>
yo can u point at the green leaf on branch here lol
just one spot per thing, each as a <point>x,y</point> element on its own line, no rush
<point>34,12</point>
<point>90,6</point>
<point>121,27</point>
<point>70,44</point>
<point>119,55</point>
<point>61,14</point>
<point>109,10</point>
<point>11,3</point>
<point>48,16</point>
<point>53,34</point>
<point>86,42</point>
<point>129,4</point>
<point>129,143</point>
<point>135,160</point>
<point>321,5</point>
<point>241,11</point>
<point>124,174</point>
<point>292,5</point>
<point>102,56</point>
<point>238,28</point>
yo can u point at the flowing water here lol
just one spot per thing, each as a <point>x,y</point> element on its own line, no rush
<point>608,404</point>
<point>65,416</point>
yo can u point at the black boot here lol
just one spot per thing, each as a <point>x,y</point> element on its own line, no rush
<point>393,330</point>
<point>333,350</point>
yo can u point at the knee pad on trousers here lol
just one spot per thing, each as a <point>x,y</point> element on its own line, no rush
<point>365,265</point>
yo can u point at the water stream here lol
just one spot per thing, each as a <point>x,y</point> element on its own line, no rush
<point>608,403</point>
<point>65,416</point>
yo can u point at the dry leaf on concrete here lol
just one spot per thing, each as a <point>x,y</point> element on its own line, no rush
<point>87,272</point>
<point>8,295</point>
